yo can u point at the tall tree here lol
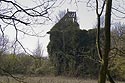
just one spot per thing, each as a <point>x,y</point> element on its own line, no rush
<point>105,57</point>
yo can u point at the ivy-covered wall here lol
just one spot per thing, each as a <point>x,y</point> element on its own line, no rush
<point>72,50</point>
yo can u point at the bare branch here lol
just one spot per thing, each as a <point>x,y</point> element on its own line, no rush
<point>36,35</point>
<point>16,78</point>
<point>32,12</point>
<point>12,18</point>
<point>97,8</point>
<point>119,12</point>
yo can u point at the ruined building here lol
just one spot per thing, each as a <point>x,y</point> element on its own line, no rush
<point>67,45</point>
<point>64,23</point>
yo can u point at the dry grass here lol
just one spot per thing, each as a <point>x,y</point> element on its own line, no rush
<point>48,79</point>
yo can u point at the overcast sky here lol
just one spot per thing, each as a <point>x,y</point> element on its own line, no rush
<point>86,19</point>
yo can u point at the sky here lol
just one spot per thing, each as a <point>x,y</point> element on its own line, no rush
<point>85,15</point>
<point>86,19</point>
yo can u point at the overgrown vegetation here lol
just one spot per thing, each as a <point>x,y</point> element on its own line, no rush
<point>25,65</point>
<point>73,51</point>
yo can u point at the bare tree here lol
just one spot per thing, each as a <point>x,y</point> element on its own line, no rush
<point>38,52</point>
<point>60,15</point>
<point>14,15</point>
<point>118,39</point>
<point>103,57</point>
<point>3,44</point>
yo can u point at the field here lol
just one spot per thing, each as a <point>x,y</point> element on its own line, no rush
<point>48,79</point>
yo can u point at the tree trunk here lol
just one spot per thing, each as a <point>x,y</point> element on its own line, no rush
<point>98,38</point>
<point>104,65</point>
<point>110,77</point>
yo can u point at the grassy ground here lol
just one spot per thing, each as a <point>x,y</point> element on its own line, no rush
<point>48,79</point>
